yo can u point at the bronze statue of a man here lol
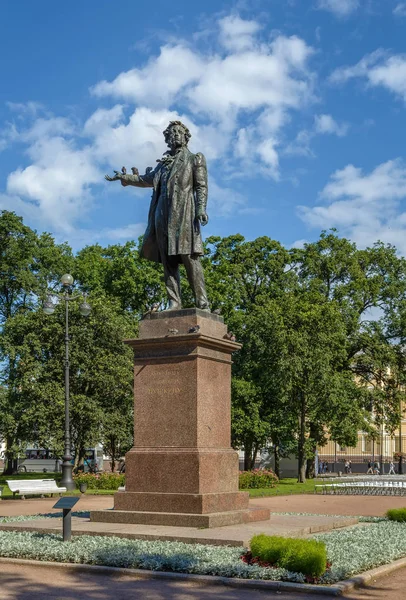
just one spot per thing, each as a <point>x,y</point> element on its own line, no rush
<point>177,210</point>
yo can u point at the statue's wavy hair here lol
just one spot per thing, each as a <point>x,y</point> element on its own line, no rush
<point>188,135</point>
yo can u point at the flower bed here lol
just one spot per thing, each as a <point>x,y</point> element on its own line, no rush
<point>100,481</point>
<point>356,549</point>
<point>258,478</point>
<point>349,552</point>
<point>138,554</point>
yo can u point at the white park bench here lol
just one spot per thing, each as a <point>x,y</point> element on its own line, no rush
<point>34,487</point>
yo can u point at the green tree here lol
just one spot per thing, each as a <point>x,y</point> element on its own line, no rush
<point>100,372</point>
<point>119,272</point>
<point>30,264</point>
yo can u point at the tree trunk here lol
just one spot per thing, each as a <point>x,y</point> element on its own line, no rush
<point>10,465</point>
<point>248,456</point>
<point>277,460</point>
<point>302,440</point>
<point>310,473</point>
<point>113,455</point>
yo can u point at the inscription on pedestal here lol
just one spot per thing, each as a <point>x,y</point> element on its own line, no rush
<point>161,391</point>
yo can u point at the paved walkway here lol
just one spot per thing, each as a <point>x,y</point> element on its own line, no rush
<point>312,503</point>
<point>230,535</point>
<point>236,535</point>
<point>332,504</point>
<point>11,508</point>
<point>44,583</point>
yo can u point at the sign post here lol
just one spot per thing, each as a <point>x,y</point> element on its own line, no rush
<point>66,503</point>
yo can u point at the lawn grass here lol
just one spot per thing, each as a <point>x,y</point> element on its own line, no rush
<point>285,487</point>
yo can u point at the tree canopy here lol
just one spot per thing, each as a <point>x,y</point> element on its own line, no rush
<point>323,333</point>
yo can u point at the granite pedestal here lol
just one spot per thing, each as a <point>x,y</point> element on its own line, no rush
<point>182,470</point>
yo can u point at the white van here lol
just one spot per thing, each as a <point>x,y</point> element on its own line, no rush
<point>39,460</point>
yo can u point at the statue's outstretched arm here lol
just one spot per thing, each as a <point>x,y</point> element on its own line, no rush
<point>146,180</point>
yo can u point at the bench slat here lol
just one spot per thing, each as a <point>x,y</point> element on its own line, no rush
<point>34,486</point>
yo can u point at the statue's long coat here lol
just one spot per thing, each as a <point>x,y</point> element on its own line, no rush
<point>186,193</point>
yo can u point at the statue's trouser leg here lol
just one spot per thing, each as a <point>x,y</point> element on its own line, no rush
<point>195,275</point>
<point>172,279</point>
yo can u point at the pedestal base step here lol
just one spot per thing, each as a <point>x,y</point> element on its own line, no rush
<point>222,519</point>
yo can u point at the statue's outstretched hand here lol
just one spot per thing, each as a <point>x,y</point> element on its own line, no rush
<point>117,176</point>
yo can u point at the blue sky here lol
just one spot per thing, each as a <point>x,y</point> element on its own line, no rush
<point>298,106</point>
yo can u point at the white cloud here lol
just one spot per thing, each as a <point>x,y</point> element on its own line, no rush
<point>379,69</point>
<point>364,206</point>
<point>326,124</point>
<point>340,8</point>
<point>57,182</point>
<point>400,9</point>
<point>262,81</point>
<point>159,81</point>
<point>272,78</point>
<point>237,34</point>
<point>215,92</point>
<point>25,108</point>
<point>273,75</point>
<point>129,232</point>
<point>103,118</point>
<point>116,139</point>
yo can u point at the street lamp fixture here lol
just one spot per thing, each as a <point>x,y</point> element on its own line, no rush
<point>67,280</point>
<point>85,310</point>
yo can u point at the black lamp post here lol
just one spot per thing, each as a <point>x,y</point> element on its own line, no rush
<point>85,309</point>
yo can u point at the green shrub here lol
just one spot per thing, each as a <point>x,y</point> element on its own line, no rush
<point>258,478</point>
<point>301,556</point>
<point>397,514</point>
<point>100,481</point>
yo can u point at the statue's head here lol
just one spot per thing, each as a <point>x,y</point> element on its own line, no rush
<point>176,135</point>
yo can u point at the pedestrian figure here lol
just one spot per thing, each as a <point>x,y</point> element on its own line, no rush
<point>391,469</point>
<point>349,467</point>
<point>346,467</point>
<point>370,469</point>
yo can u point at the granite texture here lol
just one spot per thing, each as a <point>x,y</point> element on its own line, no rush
<point>173,519</point>
<point>182,470</point>
<point>181,503</point>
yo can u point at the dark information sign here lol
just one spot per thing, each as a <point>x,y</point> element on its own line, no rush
<point>66,502</point>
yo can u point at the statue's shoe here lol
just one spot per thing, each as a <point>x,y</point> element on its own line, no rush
<point>173,306</point>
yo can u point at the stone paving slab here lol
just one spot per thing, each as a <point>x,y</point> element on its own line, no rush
<point>233,535</point>
<point>368,506</point>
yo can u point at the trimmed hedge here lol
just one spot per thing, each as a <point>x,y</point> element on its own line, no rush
<point>301,556</point>
<point>397,514</point>
<point>258,478</point>
<point>100,481</point>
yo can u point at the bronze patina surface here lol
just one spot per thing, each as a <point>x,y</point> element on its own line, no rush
<point>176,214</point>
